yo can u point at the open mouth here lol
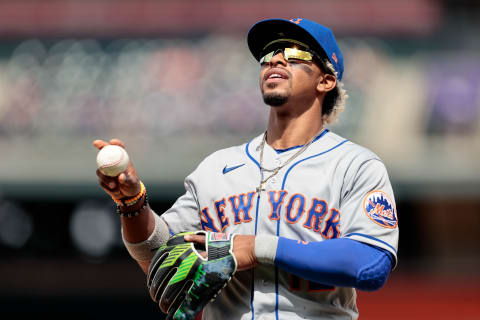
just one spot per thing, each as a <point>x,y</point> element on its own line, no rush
<point>275,75</point>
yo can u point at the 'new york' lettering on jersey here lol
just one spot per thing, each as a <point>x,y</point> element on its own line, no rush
<point>334,189</point>
<point>239,207</point>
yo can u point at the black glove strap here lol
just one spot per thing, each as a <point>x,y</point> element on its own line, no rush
<point>216,253</point>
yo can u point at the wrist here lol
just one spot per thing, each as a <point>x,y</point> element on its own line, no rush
<point>141,245</point>
<point>133,210</point>
<point>266,248</point>
<point>131,201</point>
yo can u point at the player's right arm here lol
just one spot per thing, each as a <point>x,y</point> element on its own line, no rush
<point>136,229</point>
<point>144,233</point>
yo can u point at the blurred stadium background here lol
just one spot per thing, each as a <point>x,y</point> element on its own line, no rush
<point>175,81</point>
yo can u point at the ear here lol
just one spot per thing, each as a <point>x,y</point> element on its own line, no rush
<point>327,83</point>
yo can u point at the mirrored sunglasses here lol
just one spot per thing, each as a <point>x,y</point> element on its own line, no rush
<point>288,54</point>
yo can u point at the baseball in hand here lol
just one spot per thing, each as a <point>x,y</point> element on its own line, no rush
<point>112,160</point>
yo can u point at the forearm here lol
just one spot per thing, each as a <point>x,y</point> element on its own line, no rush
<point>142,230</point>
<point>142,234</point>
<point>138,228</point>
<point>337,262</point>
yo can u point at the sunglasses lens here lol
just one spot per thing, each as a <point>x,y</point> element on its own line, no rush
<point>266,58</point>
<point>288,53</point>
<point>293,53</point>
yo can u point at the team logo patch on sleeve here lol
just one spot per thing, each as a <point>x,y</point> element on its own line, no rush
<point>380,209</point>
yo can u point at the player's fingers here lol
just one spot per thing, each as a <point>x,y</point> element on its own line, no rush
<point>128,178</point>
<point>122,178</point>
<point>130,184</point>
<point>99,144</point>
<point>197,238</point>
<point>105,186</point>
<point>118,142</point>
<point>113,192</point>
<point>111,182</point>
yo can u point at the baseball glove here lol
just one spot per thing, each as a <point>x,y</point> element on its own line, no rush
<point>182,281</point>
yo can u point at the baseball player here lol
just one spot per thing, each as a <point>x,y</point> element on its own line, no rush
<point>296,219</point>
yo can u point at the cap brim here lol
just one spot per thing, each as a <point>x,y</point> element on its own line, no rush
<point>268,30</point>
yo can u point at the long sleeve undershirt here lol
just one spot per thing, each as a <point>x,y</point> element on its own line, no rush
<point>337,262</point>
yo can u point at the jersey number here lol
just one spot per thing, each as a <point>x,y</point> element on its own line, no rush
<point>310,286</point>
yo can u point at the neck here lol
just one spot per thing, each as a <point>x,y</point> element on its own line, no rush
<point>289,127</point>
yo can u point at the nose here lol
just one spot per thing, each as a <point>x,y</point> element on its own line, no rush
<point>278,58</point>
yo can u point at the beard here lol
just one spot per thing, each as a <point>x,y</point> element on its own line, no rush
<point>274,99</point>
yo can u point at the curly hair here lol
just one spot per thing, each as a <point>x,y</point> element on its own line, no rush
<point>334,101</point>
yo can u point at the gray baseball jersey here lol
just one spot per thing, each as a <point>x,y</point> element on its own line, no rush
<point>334,189</point>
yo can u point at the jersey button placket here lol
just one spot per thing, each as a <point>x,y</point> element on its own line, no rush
<point>274,179</point>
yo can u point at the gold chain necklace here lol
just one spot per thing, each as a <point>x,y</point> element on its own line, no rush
<point>261,186</point>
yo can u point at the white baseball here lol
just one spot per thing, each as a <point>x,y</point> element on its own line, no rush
<point>112,160</point>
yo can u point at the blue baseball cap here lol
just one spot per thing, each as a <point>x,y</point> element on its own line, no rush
<point>319,38</point>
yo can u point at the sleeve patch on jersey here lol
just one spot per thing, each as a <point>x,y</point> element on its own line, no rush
<point>380,209</point>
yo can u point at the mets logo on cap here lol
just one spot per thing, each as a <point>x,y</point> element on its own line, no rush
<point>380,209</point>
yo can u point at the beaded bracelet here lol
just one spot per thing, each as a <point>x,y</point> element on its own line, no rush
<point>133,200</point>
<point>135,213</point>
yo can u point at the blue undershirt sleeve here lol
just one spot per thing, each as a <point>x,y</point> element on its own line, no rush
<point>337,262</point>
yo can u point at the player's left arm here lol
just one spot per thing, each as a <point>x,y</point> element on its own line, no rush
<point>367,209</point>
<point>337,262</point>
<point>366,251</point>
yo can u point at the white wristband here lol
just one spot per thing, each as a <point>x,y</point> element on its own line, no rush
<point>266,248</point>
<point>142,251</point>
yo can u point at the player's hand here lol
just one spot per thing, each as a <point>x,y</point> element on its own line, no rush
<point>243,249</point>
<point>126,184</point>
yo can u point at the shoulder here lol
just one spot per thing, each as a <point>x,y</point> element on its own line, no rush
<point>351,151</point>
<point>354,159</point>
